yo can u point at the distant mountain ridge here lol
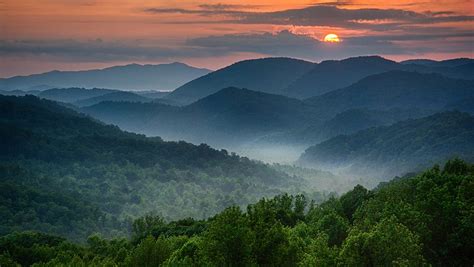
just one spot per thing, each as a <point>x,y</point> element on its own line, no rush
<point>114,96</point>
<point>442,63</point>
<point>395,89</point>
<point>74,94</point>
<point>128,77</point>
<point>332,74</point>
<point>268,75</point>
<point>301,79</point>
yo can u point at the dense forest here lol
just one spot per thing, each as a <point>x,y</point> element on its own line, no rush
<point>425,219</point>
<point>66,174</point>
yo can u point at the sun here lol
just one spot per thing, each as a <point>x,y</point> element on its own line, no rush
<point>332,38</point>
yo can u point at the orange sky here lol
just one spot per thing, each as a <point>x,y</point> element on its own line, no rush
<point>41,35</point>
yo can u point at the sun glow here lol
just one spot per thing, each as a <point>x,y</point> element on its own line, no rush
<point>332,38</point>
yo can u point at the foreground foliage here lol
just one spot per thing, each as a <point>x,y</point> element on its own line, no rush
<point>412,221</point>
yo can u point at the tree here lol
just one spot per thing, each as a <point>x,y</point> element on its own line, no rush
<point>351,200</point>
<point>389,243</point>
<point>150,252</point>
<point>335,227</point>
<point>228,240</point>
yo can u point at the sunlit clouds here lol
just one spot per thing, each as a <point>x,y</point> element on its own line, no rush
<point>73,34</point>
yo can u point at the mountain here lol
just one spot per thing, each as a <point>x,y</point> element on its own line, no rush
<point>137,117</point>
<point>115,96</point>
<point>236,109</point>
<point>152,94</point>
<point>442,63</point>
<point>269,75</point>
<point>228,117</point>
<point>129,77</point>
<point>18,92</point>
<point>331,75</point>
<point>348,122</point>
<point>71,95</point>
<point>395,89</point>
<point>464,105</point>
<point>59,165</point>
<point>402,147</point>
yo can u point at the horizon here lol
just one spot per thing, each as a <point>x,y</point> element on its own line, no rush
<point>212,70</point>
<point>91,34</point>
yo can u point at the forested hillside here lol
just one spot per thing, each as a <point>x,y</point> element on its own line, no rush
<point>398,148</point>
<point>411,221</point>
<point>67,174</point>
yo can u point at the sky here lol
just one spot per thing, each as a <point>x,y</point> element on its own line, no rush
<point>43,35</point>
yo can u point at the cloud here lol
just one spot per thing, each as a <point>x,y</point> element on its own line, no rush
<point>96,50</point>
<point>286,43</point>
<point>283,43</point>
<point>228,6</point>
<point>325,15</point>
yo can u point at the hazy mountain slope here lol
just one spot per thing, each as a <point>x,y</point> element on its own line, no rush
<point>230,116</point>
<point>442,63</point>
<point>346,122</point>
<point>153,94</point>
<point>115,96</point>
<point>401,147</point>
<point>395,89</point>
<point>70,95</point>
<point>129,77</point>
<point>243,108</point>
<point>330,75</point>
<point>18,92</point>
<point>464,105</point>
<point>354,120</point>
<point>268,75</point>
<point>135,116</point>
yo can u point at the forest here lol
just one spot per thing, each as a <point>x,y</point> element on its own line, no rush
<point>420,220</point>
<point>64,173</point>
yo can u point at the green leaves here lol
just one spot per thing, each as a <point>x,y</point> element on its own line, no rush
<point>417,221</point>
<point>387,244</point>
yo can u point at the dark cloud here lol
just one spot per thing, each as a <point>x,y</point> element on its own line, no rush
<point>284,43</point>
<point>227,6</point>
<point>97,50</point>
<point>327,15</point>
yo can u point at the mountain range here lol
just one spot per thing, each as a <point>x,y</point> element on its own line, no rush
<point>301,79</point>
<point>232,117</point>
<point>135,77</point>
<point>259,119</point>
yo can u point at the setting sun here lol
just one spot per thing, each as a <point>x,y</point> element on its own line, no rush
<point>332,38</point>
